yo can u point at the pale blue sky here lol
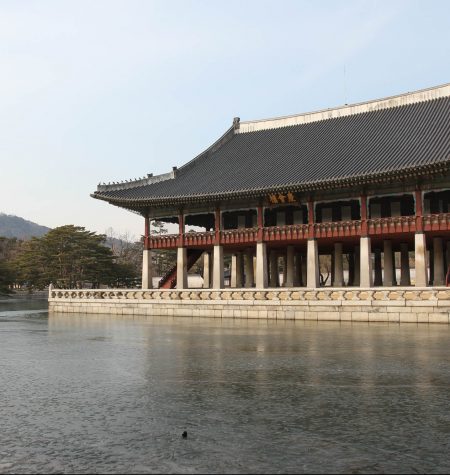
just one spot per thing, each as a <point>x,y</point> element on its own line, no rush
<point>104,90</point>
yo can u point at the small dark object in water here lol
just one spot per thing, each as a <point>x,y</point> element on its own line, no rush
<point>184,435</point>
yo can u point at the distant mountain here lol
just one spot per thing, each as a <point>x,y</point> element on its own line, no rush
<point>13,226</point>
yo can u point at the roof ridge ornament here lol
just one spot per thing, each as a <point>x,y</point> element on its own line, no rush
<point>390,102</point>
<point>150,179</point>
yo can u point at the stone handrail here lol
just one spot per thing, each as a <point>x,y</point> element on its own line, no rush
<point>331,296</point>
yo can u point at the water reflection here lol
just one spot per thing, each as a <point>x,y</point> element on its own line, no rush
<point>107,393</point>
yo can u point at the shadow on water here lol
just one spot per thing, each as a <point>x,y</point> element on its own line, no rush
<point>86,393</point>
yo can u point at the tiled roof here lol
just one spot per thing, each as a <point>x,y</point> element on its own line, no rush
<point>392,140</point>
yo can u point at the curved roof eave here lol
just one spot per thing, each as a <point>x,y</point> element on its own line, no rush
<point>384,176</point>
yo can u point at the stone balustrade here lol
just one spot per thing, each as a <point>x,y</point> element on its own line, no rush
<point>395,304</point>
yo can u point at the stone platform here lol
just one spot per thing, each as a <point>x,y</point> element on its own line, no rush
<point>394,304</point>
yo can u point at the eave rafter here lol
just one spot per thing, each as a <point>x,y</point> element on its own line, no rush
<point>392,176</point>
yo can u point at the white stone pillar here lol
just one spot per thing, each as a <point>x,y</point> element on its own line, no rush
<point>147,269</point>
<point>182,282</point>
<point>420,248</point>
<point>357,276</point>
<point>233,277</point>
<point>249,273</point>
<point>239,270</point>
<point>365,273</point>
<point>447,246</point>
<point>290,268</point>
<point>438,254</point>
<point>274,275</point>
<point>313,264</point>
<point>388,280</point>
<point>405,274</point>
<point>206,270</point>
<point>338,265</point>
<point>262,277</point>
<point>218,281</point>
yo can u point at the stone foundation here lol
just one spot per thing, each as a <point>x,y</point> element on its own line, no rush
<point>395,305</point>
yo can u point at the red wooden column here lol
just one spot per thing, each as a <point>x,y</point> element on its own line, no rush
<point>218,276</point>
<point>420,244</point>
<point>147,233</point>
<point>364,230</point>
<point>262,274</point>
<point>217,226</point>
<point>147,270</point>
<point>311,219</point>
<point>312,251</point>
<point>260,222</point>
<point>365,248</point>
<point>180,229</point>
<point>419,210</point>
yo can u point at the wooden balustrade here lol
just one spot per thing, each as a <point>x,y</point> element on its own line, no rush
<point>205,238</point>
<point>299,232</point>
<point>239,236</point>
<point>436,222</point>
<point>163,241</point>
<point>293,232</point>
<point>337,229</point>
<point>391,225</point>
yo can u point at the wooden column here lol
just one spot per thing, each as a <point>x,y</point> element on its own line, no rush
<point>180,229</point>
<point>217,226</point>
<point>311,219</point>
<point>260,221</point>
<point>419,210</point>
<point>147,267</point>
<point>218,278</point>
<point>365,245</point>
<point>364,214</point>
<point>420,244</point>
<point>147,233</point>
<point>312,253</point>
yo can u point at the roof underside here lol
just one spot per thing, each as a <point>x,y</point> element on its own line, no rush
<point>382,142</point>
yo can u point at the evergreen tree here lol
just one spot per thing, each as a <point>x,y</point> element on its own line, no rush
<point>69,256</point>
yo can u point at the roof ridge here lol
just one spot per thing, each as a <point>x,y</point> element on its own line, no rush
<point>225,137</point>
<point>408,98</point>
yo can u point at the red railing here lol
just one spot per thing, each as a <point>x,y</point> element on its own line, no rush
<point>293,232</point>
<point>392,225</point>
<point>163,241</point>
<point>299,232</point>
<point>239,236</point>
<point>199,239</point>
<point>436,222</point>
<point>337,229</point>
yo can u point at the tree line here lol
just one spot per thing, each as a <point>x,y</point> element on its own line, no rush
<point>72,257</point>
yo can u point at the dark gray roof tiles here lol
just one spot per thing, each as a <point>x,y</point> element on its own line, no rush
<point>361,145</point>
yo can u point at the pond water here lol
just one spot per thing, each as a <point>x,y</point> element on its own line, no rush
<point>83,394</point>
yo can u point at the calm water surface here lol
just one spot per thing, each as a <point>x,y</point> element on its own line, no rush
<point>111,394</point>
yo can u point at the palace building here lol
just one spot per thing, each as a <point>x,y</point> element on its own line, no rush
<point>367,185</point>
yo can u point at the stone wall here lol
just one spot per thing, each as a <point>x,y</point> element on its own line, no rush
<point>395,305</point>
